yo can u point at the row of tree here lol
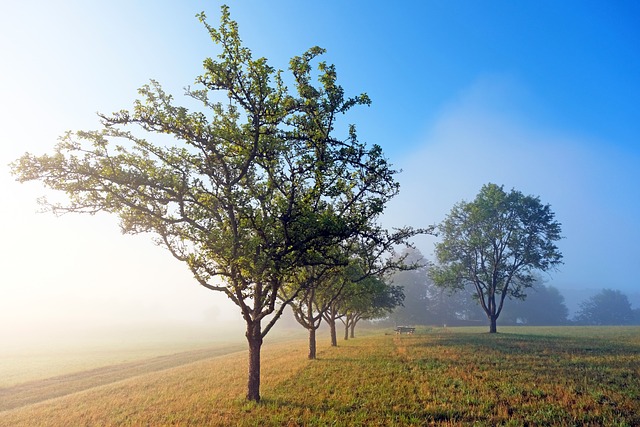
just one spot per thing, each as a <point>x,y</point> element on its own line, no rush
<point>341,294</point>
<point>542,305</point>
<point>253,191</point>
<point>259,198</point>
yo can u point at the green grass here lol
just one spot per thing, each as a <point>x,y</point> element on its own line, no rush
<point>457,376</point>
<point>534,376</point>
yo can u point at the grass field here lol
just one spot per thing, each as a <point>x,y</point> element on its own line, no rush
<point>458,376</point>
<point>58,355</point>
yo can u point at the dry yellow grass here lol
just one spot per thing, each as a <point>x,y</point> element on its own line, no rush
<point>62,385</point>
<point>200,393</point>
<point>523,376</point>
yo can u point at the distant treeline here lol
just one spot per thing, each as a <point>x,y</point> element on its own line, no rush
<point>426,304</point>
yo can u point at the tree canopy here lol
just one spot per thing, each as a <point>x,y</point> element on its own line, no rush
<point>250,187</point>
<point>324,286</point>
<point>369,298</point>
<point>496,243</point>
<point>607,307</point>
<point>544,306</point>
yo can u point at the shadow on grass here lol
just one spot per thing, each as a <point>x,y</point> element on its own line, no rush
<point>360,414</point>
<point>523,343</point>
<point>477,375</point>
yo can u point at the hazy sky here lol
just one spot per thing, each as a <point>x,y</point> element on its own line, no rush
<point>541,96</point>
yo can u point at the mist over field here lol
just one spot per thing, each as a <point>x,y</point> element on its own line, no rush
<point>542,99</point>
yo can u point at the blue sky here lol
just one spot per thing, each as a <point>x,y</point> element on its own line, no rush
<point>540,96</point>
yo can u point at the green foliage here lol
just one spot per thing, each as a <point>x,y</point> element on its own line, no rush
<point>248,190</point>
<point>496,243</point>
<point>544,306</point>
<point>608,307</point>
<point>370,298</point>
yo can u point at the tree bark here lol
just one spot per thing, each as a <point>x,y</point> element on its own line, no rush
<point>346,331</point>
<point>334,336</point>
<point>353,329</point>
<point>254,338</point>
<point>493,327</point>
<point>312,344</point>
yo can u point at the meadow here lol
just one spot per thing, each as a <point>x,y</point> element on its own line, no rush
<point>453,376</point>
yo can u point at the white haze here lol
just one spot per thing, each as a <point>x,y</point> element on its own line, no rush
<point>483,136</point>
<point>77,276</point>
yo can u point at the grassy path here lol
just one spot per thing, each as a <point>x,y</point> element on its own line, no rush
<point>37,391</point>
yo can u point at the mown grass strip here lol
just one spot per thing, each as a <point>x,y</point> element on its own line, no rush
<point>38,391</point>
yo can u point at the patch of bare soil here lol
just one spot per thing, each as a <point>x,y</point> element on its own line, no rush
<point>37,391</point>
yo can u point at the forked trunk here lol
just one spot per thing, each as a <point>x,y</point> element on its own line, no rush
<point>254,338</point>
<point>490,310</point>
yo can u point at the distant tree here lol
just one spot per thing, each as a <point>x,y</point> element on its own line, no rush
<point>315,289</point>
<point>414,284</point>
<point>608,307</point>
<point>496,243</point>
<point>367,299</point>
<point>348,291</point>
<point>427,304</point>
<point>331,315</point>
<point>544,306</point>
<point>247,191</point>
<point>355,296</point>
<point>445,307</point>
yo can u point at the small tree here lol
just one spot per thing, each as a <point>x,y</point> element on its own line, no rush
<point>323,287</point>
<point>324,290</point>
<point>247,192</point>
<point>496,243</point>
<point>331,315</point>
<point>608,307</point>
<point>371,298</point>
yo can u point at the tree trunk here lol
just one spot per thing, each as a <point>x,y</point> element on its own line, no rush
<point>332,329</point>
<point>493,327</point>
<point>490,310</point>
<point>312,343</point>
<point>346,331</point>
<point>353,329</point>
<point>254,338</point>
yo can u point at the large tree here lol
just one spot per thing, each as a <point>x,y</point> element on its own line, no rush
<point>496,243</point>
<point>251,186</point>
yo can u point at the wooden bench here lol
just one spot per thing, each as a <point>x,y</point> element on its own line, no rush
<point>404,329</point>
